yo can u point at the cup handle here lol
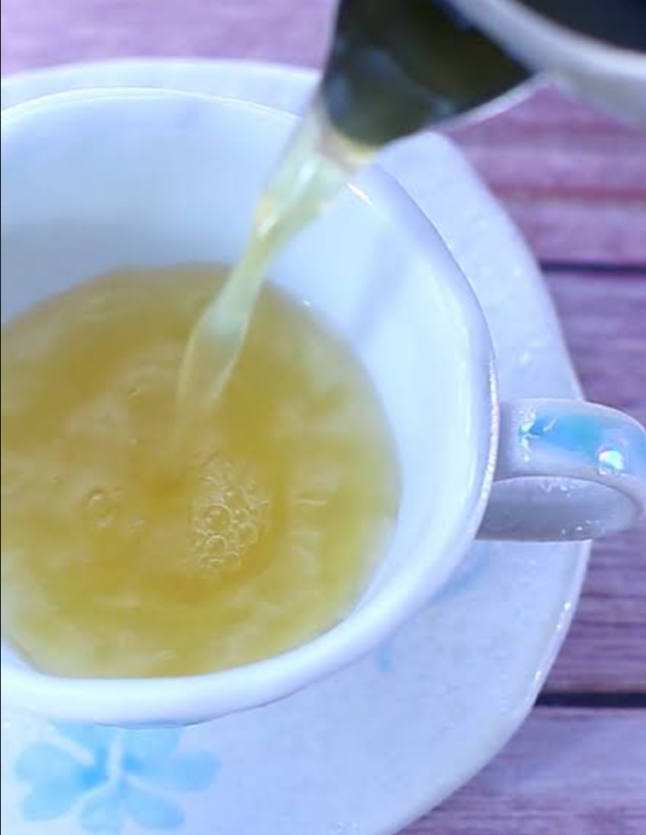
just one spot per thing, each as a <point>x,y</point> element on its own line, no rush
<point>566,470</point>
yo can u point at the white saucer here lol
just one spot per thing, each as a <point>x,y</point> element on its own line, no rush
<point>375,747</point>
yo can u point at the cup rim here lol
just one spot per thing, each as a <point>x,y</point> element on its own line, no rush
<point>191,699</point>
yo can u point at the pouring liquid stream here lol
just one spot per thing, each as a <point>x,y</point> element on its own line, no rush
<point>317,164</point>
<point>387,75</point>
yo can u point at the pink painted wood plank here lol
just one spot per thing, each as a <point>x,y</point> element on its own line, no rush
<point>39,32</point>
<point>608,165</point>
<point>579,230</point>
<point>605,651</point>
<point>605,325</point>
<point>604,319</point>
<point>567,772</point>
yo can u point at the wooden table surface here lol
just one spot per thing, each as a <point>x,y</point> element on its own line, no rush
<point>575,183</point>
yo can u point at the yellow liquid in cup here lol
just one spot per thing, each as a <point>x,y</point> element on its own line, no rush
<point>263,536</point>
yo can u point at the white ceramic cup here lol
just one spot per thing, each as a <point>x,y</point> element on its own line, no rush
<point>96,181</point>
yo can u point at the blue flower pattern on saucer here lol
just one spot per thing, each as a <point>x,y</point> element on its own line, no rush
<point>466,577</point>
<point>111,778</point>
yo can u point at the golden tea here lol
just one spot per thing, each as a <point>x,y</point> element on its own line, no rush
<point>124,557</point>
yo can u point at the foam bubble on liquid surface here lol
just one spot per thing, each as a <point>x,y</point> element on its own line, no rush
<point>230,514</point>
<point>103,505</point>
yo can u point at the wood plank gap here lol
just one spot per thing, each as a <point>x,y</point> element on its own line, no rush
<point>597,701</point>
<point>593,268</point>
